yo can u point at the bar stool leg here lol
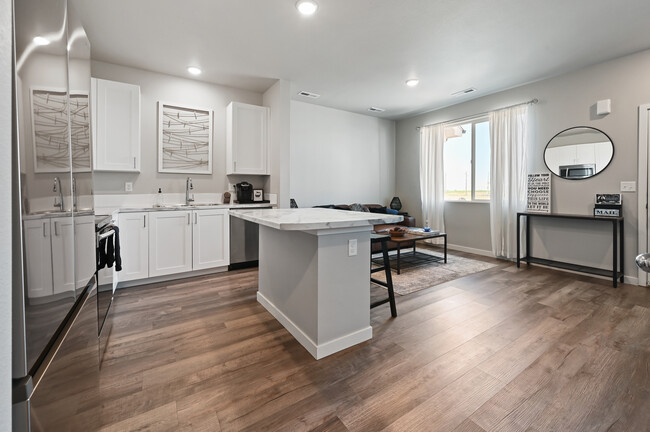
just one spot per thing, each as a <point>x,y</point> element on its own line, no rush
<point>389,279</point>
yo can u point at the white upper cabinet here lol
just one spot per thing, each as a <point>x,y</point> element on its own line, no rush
<point>247,135</point>
<point>116,126</point>
<point>211,238</point>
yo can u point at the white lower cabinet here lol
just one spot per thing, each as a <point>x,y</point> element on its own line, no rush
<point>134,246</point>
<point>211,239</point>
<point>170,242</point>
<point>85,252</point>
<point>38,254</point>
<point>63,276</point>
<point>52,246</point>
<point>161,243</point>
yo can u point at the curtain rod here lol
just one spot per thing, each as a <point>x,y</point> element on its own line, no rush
<point>532,101</point>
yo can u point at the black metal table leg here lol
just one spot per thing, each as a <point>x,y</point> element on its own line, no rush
<point>527,240</point>
<point>518,240</point>
<point>622,251</point>
<point>445,238</point>
<point>398,258</point>
<point>615,257</point>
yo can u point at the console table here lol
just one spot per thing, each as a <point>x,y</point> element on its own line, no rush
<point>617,238</point>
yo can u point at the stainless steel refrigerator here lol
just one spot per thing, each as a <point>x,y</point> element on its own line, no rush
<point>55,325</point>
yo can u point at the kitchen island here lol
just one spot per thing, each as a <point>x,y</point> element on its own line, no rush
<point>314,273</point>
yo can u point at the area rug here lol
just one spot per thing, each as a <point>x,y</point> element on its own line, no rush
<point>418,277</point>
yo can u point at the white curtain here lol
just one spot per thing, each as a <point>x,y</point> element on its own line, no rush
<point>508,179</point>
<point>432,188</point>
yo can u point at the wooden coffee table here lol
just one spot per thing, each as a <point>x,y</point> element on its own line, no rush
<point>409,239</point>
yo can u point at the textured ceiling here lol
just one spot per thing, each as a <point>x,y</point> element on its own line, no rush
<point>358,53</point>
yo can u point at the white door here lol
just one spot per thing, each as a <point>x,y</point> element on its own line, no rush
<point>63,273</point>
<point>84,242</point>
<point>38,255</point>
<point>170,242</point>
<point>211,238</point>
<point>134,246</point>
<point>644,187</point>
<point>116,126</point>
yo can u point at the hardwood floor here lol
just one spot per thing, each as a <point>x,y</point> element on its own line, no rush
<point>506,349</point>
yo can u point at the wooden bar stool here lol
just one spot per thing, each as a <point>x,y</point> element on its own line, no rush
<point>383,239</point>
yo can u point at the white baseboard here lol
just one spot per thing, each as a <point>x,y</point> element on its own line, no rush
<point>475,251</point>
<point>317,351</point>
<point>171,277</point>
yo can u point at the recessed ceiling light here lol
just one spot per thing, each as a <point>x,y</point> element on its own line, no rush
<point>412,82</point>
<point>307,7</point>
<point>39,40</point>
<point>194,70</point>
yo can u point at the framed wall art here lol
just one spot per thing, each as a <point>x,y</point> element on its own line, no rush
<point>184,139</point>
<point>50,130</point>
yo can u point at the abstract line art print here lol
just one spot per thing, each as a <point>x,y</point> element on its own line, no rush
<point>184,139</point>
<point>50,131</point>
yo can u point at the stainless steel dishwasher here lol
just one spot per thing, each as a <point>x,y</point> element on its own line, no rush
<point>244,242</point>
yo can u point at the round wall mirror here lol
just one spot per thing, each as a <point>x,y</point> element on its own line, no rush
<point>578,153</point>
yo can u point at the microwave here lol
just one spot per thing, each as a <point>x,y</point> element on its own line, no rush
<point>577,171</point>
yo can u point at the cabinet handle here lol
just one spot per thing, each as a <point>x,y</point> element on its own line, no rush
<point>44,234</point>
<point>144,221</point>
<point>56,229</point>
<point>188,218</point>
<point>195,218</point>
<point>234,166</point>
<point>133,162</point>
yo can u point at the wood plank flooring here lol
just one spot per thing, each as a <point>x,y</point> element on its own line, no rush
<point>507,349</point>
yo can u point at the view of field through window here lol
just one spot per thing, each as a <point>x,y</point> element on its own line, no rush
<point>460,173</point>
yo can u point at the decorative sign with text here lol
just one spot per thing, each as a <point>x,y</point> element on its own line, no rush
<point>539,193</point>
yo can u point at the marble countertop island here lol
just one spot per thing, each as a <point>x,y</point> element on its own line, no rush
<point>314,273</point>
<point>308,219</point>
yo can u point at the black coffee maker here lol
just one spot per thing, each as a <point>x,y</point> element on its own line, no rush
<point>244,192</point>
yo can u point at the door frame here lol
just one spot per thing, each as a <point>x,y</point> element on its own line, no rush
<point>643,244</point>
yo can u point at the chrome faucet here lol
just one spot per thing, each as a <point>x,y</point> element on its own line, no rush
<point>74,194</point>
<point>57,188</point>
<point>189,197</point>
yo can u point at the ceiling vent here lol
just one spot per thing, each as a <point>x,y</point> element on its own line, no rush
<point>375,109</point>
<point>464,92</point>
<point>309,94</point>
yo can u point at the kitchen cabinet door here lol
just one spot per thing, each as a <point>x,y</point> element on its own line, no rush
<point>247,139</point>
<point>116,126</point>
<point>170,242</point>
<point>134,246</point>
<point>63,255</point>
<point>38,254</point>
<point>211,238</point>
<point>84,249</point>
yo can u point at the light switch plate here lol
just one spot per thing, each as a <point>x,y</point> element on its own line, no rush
<point>628,186</point>
<point>352,247</point>
<point>128,187</point>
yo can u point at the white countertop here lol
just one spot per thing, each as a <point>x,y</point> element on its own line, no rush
<point>313,218</point>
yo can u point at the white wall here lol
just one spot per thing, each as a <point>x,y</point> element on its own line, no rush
<point>6,36</point>
<point>338,157</point>
<point>156,87</point>
<point>278,99</point>
<point>564,101</point>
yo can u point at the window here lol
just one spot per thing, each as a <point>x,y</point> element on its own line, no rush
<point>467,161</point>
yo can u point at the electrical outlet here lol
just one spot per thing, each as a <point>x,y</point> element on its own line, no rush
<point>352,247</point>
<point>128,187</point>
<point>628,186</point>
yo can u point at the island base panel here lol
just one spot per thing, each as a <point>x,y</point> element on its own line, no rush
<point>311,286</point>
